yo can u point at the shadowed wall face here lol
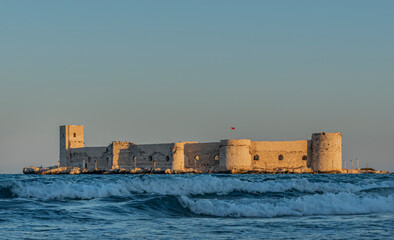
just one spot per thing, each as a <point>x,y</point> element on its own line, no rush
<point>202,156</point>
<point>128,155</point>
<point>89,158</point>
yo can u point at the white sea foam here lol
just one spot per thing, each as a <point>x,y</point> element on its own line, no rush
<point>180,186</point>
<point>324,204</point>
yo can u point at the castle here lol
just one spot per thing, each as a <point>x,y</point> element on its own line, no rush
<point>322,153</point>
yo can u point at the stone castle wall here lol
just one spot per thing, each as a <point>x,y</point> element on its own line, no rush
<point>89,158</point>
<point>322,153</point>
<point>128,155</point>
<point>283,154</point>
<point>202,156</point>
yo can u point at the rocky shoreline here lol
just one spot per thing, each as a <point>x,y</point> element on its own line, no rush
<point>75,170</point>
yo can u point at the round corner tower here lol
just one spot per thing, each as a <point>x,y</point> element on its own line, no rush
<point>326,152</point>
<point>235,154</point>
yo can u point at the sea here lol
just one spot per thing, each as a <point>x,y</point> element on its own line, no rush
<point>288,206</point>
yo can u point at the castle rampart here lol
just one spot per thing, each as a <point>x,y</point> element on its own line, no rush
<point>323,153</point>
<point>280,154</point>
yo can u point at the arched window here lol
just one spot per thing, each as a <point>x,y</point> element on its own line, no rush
<point>256,157</point>
<point>167,158</point>
<point>280,157</point>
<point>304,158</point>
<point>150,158</point>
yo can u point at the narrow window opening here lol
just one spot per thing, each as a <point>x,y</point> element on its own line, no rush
<point>167,158</point>
<point>280,157</point>
<point>150,158</point>
<point>304,158</point>
<point>75,135</point>
<point>256,157</point>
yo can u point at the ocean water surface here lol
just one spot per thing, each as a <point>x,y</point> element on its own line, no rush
<point>197,206</point>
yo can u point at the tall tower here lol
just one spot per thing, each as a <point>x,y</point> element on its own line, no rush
<point>71,136</point>
<point>326,152</point>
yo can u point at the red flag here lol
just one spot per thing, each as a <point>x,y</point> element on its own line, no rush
<point>232,128</point>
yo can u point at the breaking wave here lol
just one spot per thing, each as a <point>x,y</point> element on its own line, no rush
<point>197,206</point>
<point>178,186</point>
<point>215,195</point>
<point>325,204</point>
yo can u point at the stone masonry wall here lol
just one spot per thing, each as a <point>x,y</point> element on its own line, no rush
<point>92,157</point>
<point>202,156</point>
<point>146,156</point>
<point>280,154</point>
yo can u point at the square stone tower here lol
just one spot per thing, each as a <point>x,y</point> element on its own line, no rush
<point>71,136</point>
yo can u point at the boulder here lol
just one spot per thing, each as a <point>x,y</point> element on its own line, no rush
<point>75,170</point>
<point>59,170</point>
<point>31,170</point>
<point>298,170</point>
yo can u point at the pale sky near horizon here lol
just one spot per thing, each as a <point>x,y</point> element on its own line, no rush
<point>164,71</point>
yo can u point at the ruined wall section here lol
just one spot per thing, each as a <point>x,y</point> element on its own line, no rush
<point>326,152</point>
<point>202,156</point>
<point>279,154</point>
<point>120,154</point>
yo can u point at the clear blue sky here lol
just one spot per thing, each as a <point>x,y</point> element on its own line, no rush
<point>162,71</point>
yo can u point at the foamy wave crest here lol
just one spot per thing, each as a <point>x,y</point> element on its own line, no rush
<point>325,204</point>
<point>178,186</point>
